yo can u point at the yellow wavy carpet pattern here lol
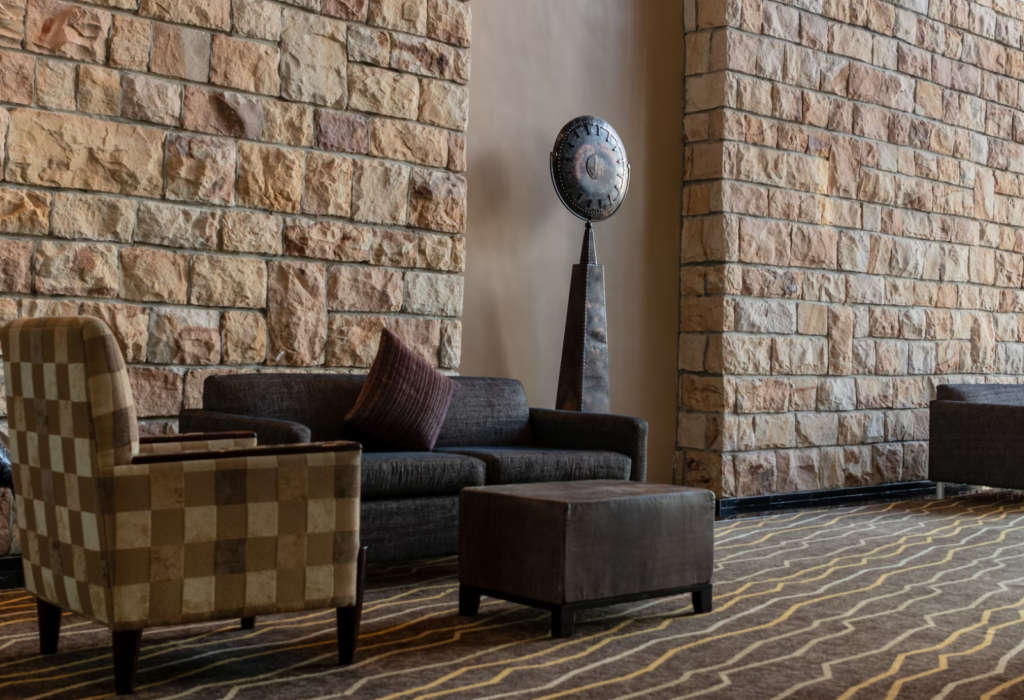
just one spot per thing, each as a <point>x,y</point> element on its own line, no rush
<point>921,599</point>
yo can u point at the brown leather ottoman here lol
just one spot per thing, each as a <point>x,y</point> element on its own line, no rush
<point>566,546</point>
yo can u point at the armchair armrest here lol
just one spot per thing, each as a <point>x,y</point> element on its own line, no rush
<point>197,442</point>
<point>267,451</point>
<point>268,431</point>
<point>593,431</point>
<point>976,443</point>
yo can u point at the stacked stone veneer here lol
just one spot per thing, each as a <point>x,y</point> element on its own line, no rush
<point>852,236</point>
<point>235,186</point>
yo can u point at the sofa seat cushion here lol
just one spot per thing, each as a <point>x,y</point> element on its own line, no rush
<point>414,474</point>
<point>527,465</point>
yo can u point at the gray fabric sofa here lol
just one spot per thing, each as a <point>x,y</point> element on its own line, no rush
<point>977,435</point>
<point>410,500</point>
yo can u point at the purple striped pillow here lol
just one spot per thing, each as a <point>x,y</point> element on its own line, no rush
<point>404,402</point>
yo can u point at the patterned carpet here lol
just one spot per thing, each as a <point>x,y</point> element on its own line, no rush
<point>922,599</point>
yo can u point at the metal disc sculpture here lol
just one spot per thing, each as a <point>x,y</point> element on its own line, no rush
<point>590,171</point>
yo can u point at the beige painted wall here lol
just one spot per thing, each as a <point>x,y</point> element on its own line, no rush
<point>536,65</point>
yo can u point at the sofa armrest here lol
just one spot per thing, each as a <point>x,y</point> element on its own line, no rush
<point>197,442</point>
<point>593,431</point>
<point>268,451</point>
<point>976,443</point>
<point>268,431</point>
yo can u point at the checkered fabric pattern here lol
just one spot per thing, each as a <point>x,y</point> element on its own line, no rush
<point>149,544</point>
<point>212,445</point>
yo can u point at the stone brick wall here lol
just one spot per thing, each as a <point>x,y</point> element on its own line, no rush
<point>236,185</point>
<point>853,232</point>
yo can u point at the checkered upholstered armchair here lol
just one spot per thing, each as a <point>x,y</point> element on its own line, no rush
<point>136,534</point>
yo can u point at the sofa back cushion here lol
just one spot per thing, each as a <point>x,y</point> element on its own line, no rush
<point>485,412</point>
<point>1002,394</point>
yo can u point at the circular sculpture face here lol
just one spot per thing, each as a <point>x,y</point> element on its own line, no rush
<point>590,169</point>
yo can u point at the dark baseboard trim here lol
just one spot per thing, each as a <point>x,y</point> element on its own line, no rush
<point>12,575</point>
<point>731,507</point>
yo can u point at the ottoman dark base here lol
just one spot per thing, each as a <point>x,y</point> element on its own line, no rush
<point>563,617</point>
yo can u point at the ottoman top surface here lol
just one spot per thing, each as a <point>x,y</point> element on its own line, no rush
<point>583,491</point>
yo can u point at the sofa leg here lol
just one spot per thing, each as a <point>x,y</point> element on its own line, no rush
<point>350,618</point>
<point>940,489</point>
<point>702,600</point>
<point>469,600</point>
<point>563,623</point>
<point>248,623</point>
<point>126,659</point>
<point>48,617</point>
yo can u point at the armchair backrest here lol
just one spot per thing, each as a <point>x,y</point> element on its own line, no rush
<point>71,416</point>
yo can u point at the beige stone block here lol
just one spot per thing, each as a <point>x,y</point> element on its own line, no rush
<point>352,341</point>
<point>327,240</point>
<point>129,324</point>
<point>441,252</point>
<point>257,19</point>
<point>812,319</point>
<point>66,30</point>
<point>76,269</point>
<point>799,355</point>
<point>797,470</point>
<point>287,123</point>
<point>154,275</point>
<point>249,232</point>
<point>270,177</point>
<point>296,314</point>
<point>55,85</point>
<point>364,289</point>
<point>450,21</point>
<point>422,335</point>
<point>314,60</point>
<point>15,269</point>
<point>429,294</point>
<point>342,131</point>
<point>692,348</point>
<point>213,14</point>
<point>149,100</point>
<point>380,192</point>
<point>740,354</point>
<point>394,248</point>
<point>773,431</point>
<point>99,90</point>
<point>384,92</point>
<point>201,170</point>
<point>886,463</point>
<point>755,473</point>
<point>756,316</point>
<point>157,392</point>
<point>245,65</point>
<point>17,74</point>
<point>355,10</point>
<point>177,227</point>
<point>244,336</point>
<point>762,395</point>
<point>12,33</point>
<point>130,41</point>
<point>179,52</point>
<point>328,189</point>
<point>444,104</point>
<point>223,113</point>
<point>402,15</point>
<point>817,429</point>
<point>93,218</point>
<point>25,212</point>
<point>400,140</point>
<point>184,336</point>
<point>837,395</point>
<point>224,281</point>
<point>428,58</point>
<point>874,392</point>
<point>840,337</point>
<point>368,45</point>
<point>709,394</point>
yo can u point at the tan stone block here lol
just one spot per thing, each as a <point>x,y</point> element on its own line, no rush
<point>270,177</point>
<point>76,269</point>
<point>343,132</point>
<point>837,395</point>
<point>99,90</point>
<point>328,240</point>
<point>154,275</point>
<point>328,188</point>
<point>755,473</point>
<point>70,31</point>
<point>200,170</point>
<point>709,394</point>
<point>394,248</point>
<point>812,319</point>
<point>93,218</point>
<point>368,45</point>
<point>364,289</point>
<point>385,92</point>
<point>874,393</point>
<point>429,294</point>
<point>314,60</point>
<point>25,212</point>
<point>184,336</point>
<point>157,392</point>
<point>429,58</point>
<point>773,431</point>
<point>884,323</point>
<point>146,99</point>
<point>762,395</point>
<point>249,232</point>
<point>840,337</point>
<point>224,281</point>
<point>245,65</point>
<point>798,470</point>
<point>756,316</point>
<point>16,267</point>
<point>355,10</point>
<point>886,463</point>
<point>213,14</point>
<point>287,123</point>
<point>72,152</point>
<point>130,41</point>
<point>739,354</point>
<point>444,104</point>
<point>422,335</point>
<point>402,15</point>
<point>17,74</point>
<point>180,52</point>
<point>380,192</point>
<point>39,308</point>
<point>438,201</point>
<point>449,21</point>
<point>223,113</point>
<point>129,324</point>
<point>439,252</point>
<point>257,19</point>
<point>457,153</point>
<point>245,338</point>
<point>12,32</point>
<point>177,227</point>
<point>799,355</point>
<point>401,140</point>
<point>817,429</point>
<point>353,341</point>
<point>55,84</point>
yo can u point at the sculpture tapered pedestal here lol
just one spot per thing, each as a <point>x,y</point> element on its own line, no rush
<point>583,378</point>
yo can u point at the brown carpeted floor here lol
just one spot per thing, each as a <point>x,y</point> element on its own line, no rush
<point>912,600</point>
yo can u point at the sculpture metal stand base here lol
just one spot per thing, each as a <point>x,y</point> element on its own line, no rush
<point>583,378</point>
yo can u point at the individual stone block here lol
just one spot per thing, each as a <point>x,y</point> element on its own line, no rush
<point>355,10</point>
<point>383,91</point>
<point>55,84</point>
<point>437,201</point>
<point>433,295</point>
<point>287,123</point>
<point>401,140</point>
<point>25,212</point>
<point>364,289</point>
<point>314,59</point>
<point>184,336</point>
<point>296,314</point>
<point>244,337</point>
<point>16,267</point>
<point>154,275</point>
<point>444,104</point>
<point>352,341</point>
<point>394,248</point>
<point>223,113</point>
<point>99,90</point>
<point>450,352</point>
<point>93,218</point>
<point>76,269</point>
<point>755,473</point>
<point>423,336</point>
<point>245,65</point>
<point>248,232</point>
<point>380,192</point>
<point>129,324</point>
<point>442,252</point>
<point>799,355</point>
<point>201,169</point>
<point>66,30</point>
<point>327,240</point>
<point>157,392</point>
<point>224,281</point>
<point>257,19</point>
<point>449,21</point>
<point>40,308</point>
<point>72,152</point>
<point>270,177</point>
<point>177,227</point>
<point>213,14</point>
<point>342,131</point>
<point>457,153</point>
<point>179,52</point>
<point>328,190</point>
<point>130,42</point>
<point>367,45</point>
<point>12,32</point>
<point>149,100</point>
<point>428,58</point>
<point>886,463</point>
<point>402,15</point>
<point>17,74</point>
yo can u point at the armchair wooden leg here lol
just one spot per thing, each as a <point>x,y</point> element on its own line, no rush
<point>469,600</point>
<point>349,618</point>
<point>248,623</point>
<point>49,626</point>
<point>126,659</point>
